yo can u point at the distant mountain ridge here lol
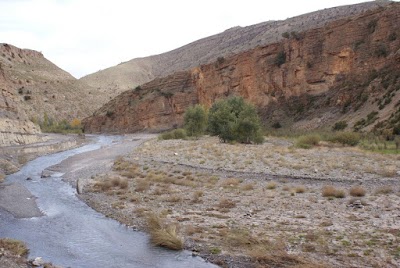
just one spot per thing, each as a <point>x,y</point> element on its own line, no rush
<point>132,73</point>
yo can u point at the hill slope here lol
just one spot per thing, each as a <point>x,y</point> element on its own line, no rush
<point>32,87</point>
<point>135,72</point>
<point>346,70</point>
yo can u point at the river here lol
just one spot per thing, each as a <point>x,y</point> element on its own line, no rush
<point>71,234</point>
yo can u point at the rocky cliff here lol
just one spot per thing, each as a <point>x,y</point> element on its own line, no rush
<point>345,70</point>
<point>32,87</point>
<point>130,74</point>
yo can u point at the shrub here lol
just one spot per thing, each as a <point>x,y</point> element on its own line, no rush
<point>226,203</point>
<point>384,190</point>
<point>340,125</point>
<point>235,120</point>
<point>195,120</point>
<point>173,134</point>
<point>357,191</point>
<point>346,138</point>
<point>300,189</point>
<point>276,125</point>
<point>331,191</point>
<point>162,234</point>
<point>280,58</point>
<point>271,185</point>
<point>286,35</point>
<point>308,141</point>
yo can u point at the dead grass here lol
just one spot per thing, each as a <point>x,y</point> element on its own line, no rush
<point>300,189</point>
<point>271,185</point>
<point>248,187</point>
<point>231,182</point>
<point>384,190</point>
<point>142,185</point>
<point>2,177</point>
<point>15,247</point>
<point>226,203</point>
<point>197,195</point>
<point>357,191</point>
<point>162,234</point>
<point>331,191</point>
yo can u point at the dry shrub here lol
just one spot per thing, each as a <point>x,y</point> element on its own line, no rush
<point>271,185</point>
<point>162,234</point>
<point>142,185</point>
<point>248,187</point>
<point>231,182</point>
<point>174,198</point>
<point>103,185</point>
<point>123,183</point>
<point>115,181</point>
<point>300,189</point>
<point>384,190</point>
<point>331,191</point>
<point>2,177</point>
<point>197,195</point>
<point>15,247</point>
<point>357,191</point>
<point>240,238</point>
<point>389,171</point>
<point>226,203</point>
<point>191,230</point>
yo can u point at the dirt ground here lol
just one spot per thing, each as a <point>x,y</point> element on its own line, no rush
<point>270,205</point>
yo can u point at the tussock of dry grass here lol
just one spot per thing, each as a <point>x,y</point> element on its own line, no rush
<point>142,185</point>
<point>248,187</point>
<point>231,182</point>
<point>357,191</point>
<point>384,190</point>
<point>331,191</point>
<point>271,185</point>
<point>226,203</point>
<point>15,247</point>
<point>300,189</point>
<point>163,235</point>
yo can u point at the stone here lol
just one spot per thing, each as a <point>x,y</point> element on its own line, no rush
<point>38,261</point>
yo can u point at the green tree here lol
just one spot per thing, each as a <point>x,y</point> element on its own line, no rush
<point>195,120</point>
<point>235,120</point>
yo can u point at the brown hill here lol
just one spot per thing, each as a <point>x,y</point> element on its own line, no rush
<point>31,87</point>
<point>345,70</point>
<point>130,74</point>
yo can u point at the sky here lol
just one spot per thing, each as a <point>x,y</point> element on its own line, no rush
<point>85,36</point>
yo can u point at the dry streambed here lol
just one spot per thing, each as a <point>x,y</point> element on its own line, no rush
<point>271,204</point>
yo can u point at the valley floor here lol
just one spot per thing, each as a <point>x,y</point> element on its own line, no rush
<point>269,205</point>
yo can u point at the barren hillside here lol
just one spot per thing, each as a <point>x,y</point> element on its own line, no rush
<point>130,74</point>
<point>32,87</point>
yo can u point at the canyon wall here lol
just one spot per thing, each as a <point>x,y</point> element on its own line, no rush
<point>308,80</point>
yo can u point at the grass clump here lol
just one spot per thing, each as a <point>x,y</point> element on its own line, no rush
<point>331,191</point>
<point>357,191</point>
<point>16,247</point>
<point>308,141</point>
<point>384,190</point>
<point>162,234</point>
<point>173,134</point>
<point>271,185</point>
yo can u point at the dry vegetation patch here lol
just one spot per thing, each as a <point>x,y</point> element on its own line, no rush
<point>230,206</point>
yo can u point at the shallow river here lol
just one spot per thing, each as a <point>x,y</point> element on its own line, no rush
<point>71,234</point>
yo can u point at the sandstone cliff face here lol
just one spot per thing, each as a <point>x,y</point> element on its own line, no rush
<point>309,80</point>
<point>128,75</point>
<point>30,87</point>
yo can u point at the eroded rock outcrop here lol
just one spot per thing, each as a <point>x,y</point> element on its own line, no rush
<point>311,79</point>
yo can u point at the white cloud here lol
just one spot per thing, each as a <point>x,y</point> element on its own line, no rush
<point>84,36</point>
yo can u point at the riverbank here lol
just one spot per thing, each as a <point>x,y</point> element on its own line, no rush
<point>249,206</point>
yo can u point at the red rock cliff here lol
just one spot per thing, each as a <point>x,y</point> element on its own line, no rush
<point>328,66</point>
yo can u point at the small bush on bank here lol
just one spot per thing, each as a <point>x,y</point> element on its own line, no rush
<point>357,191</point>
<point>346,138</point>
<point>339,125</point>
<point>173,134</point>
<point>331,191</point>
<point>15,247</point>
<point>308,141</point>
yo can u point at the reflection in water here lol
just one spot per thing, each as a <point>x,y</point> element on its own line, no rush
<point>71,234</point>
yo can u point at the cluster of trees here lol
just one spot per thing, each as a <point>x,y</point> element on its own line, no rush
<point>230,119</point>
<point>49,125</point>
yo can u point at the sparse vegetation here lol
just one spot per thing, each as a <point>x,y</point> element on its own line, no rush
<point>340,125</point>
<point>346,138</point>
<point>280,58</point>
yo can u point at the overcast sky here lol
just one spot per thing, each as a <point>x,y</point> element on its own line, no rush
<point>85,36</point>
